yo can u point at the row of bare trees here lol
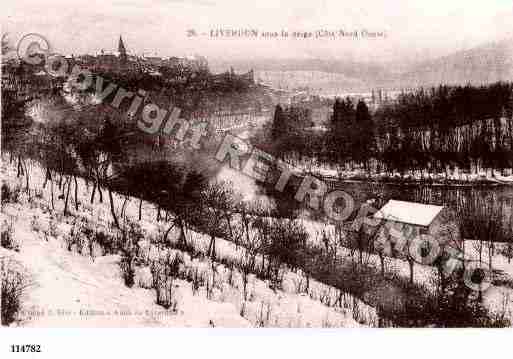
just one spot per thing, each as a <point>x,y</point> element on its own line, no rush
<point>428,130</point>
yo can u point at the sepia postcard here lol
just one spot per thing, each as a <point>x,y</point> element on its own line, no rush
<point>256,164</point>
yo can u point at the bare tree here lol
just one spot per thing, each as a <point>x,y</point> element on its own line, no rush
<point>217,201</point>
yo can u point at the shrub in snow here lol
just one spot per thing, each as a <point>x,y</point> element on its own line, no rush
<point>74,238</point>
<point>88,208</point>
<point>264,314</point>
<point>52,227</point>
<point>127,270</point>
<point>131,231</point>
<point>38,193</point>
<point>151,254</point>
<point>214,283</point>
<point>164,285</point>
<point>10,195</point>
<point>130,235</point>
<point>13,285</point>
<point>506,249</point>
<point>243,310</point>
<point>172,264</point>
<point>128,266</point>
<point>7,240</point>
<point>231,280</point>
<point>34,202</point>
<point>196,278</point>
<point>86,238</point>
<point>143,251</point>
<point>35,224</point>
<point>105,241</point>
<point>23,198</point>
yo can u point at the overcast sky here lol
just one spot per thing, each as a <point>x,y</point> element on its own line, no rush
<point>415,29</point>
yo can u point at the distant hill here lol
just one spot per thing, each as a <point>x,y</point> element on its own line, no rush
<point>354,75</point>
<point>484,64</point>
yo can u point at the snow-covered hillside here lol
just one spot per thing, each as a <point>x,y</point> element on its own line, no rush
<point>80,284</point>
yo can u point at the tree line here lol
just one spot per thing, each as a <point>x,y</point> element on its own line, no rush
<point>428,130</point>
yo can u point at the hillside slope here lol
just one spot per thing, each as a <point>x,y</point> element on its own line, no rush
<point>484,64</point>
<point>80,284</point>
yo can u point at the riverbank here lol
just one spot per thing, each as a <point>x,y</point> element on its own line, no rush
<point>453,178</point>
<point>398,181</point>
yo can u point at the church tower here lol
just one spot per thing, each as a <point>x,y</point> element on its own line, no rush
<point>123,59</point>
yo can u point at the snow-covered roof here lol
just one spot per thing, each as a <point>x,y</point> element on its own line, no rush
<point>409,212</point>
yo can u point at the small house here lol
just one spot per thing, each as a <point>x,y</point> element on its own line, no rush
<point>407,220</point>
